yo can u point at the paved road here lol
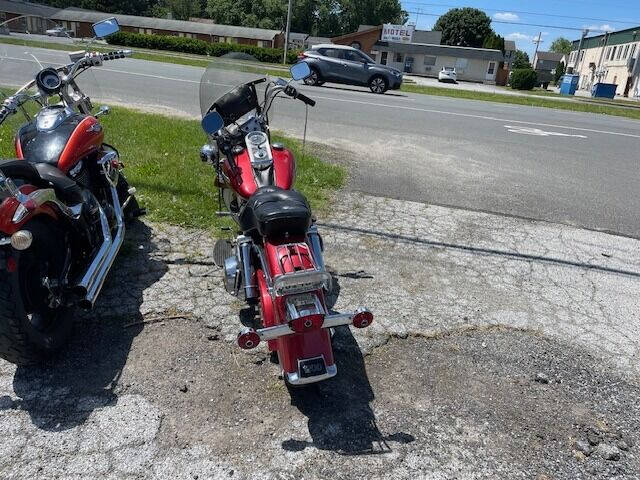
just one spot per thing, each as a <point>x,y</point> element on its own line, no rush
<point>568,167</point>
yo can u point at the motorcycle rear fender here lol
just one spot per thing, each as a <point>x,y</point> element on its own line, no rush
<point>10,205</point>
<point>299,346</point>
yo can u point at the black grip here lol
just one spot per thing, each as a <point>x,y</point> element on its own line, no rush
<point>307,100</point>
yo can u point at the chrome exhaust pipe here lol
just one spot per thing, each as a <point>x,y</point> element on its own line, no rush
<point>244,250</point>
<point>93,280</point>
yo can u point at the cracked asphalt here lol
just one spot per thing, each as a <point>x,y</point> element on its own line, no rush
<point>502,348</point>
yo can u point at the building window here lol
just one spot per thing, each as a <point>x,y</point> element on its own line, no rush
<point>582,55</point>
<point>613,53</point>
<point>398,58</point>
<point>626,51</point>
<point>619,53</point>
<point>492,68</point>
<point>608,55</point>
<point>429,60</point>
<point>383,58</point>
<point>633,49</point>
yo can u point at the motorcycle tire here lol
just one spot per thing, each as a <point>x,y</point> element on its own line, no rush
<point>30,330</point>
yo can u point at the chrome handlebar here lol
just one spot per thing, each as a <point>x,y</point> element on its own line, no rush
<point>89,59</point>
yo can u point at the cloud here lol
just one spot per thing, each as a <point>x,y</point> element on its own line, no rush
<point>519,37</point>
<point>602,28</point>
<point>506,17</point>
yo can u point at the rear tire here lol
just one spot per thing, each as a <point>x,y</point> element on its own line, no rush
<point>378,84</point>
<point>315,79</point>
<point>30,330</point>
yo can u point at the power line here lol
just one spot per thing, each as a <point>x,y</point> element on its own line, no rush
<point>521,23</point>
<point>528,13</point>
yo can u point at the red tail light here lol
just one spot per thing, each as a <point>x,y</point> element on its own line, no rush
<point>306,324</point>
<point>362,319</point>
<point>248,339</point>
<point>301,56</point>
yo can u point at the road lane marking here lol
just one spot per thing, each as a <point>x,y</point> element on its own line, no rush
<point>540,133</point>
<point>400,107</point>
<point>482,117</point>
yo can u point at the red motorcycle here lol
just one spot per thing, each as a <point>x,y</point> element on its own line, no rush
<point>278,262</point>
<point>63,207</point>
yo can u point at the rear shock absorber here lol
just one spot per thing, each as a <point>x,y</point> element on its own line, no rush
<point>244,251</point>
<point>316,246</point>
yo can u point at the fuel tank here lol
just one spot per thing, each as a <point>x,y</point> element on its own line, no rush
<point>59,138</point>
<point>248,181</point>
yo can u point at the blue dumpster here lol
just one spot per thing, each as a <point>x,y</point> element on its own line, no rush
<point>569,84</point>
<point>604,90</point>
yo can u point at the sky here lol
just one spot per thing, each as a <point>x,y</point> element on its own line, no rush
<point>570,15</point>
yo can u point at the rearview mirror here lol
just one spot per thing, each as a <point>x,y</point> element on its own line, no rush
<point>212,122</point>
<point>300,71</point>
<point>106,27</point>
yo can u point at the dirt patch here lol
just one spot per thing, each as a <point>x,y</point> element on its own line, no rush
<point>477,404</point>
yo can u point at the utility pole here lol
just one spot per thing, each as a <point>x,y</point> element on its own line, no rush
<point>585,32</point>
<point>537,41</point>
<point>286,37</point>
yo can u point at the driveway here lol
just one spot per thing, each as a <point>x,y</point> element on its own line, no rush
<point>502,348</point>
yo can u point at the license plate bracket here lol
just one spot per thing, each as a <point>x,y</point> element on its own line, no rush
<point>312,367</point>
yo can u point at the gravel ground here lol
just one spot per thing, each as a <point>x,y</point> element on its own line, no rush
<point>502,348</point>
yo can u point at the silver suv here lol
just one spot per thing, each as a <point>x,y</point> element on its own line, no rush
<point>342,64</point>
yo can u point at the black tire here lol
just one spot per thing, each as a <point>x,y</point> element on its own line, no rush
<point>30,330</point>
<point>315,79</point>
<point>378,84</point>
<point>133,209</point>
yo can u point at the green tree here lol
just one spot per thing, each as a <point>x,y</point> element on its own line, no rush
<point>521,60</point>
<point>465,27</point>
<point>179,9</point>
<point>561,45</point>
<point>495,41</point>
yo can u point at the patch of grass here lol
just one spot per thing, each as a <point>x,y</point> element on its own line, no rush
<point>575,106</point>
<point>193,61</point>
<point>161,157</point>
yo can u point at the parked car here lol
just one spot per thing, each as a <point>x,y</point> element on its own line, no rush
<point>59,31</point>
<point>347,65</point>
<point>448,74</point>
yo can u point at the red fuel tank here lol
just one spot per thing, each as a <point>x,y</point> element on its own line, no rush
<point>85,139</point>
<point>284,166</point>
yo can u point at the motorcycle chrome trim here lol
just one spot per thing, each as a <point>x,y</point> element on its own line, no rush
<point>110,172</point>
<point>38,198</point>
<point>330,321</point>
<point>244,252</point>
<point>294,378</point>
<point>301,282</point>
<point>94,288</point>
<point>92,271</point>
<point>232,275</point>
<point>293,312</point>
<point>265,268</point>
<point>316,247</point>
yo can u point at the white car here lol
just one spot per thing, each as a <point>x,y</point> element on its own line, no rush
<point>448,74</point>
<point>59,32</point>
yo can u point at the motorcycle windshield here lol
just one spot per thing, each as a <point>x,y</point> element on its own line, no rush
<point>226,75</point>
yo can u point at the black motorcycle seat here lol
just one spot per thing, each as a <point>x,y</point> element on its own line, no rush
<point>273,211</point>
<point>42,175</point>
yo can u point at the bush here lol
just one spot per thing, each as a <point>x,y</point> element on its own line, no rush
<point>198,47</point>
<point>524,79</point>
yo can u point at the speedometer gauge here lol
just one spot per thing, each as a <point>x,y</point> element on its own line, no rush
<point>48,81</point>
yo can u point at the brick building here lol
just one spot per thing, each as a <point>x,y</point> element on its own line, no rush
<point>79,21</point>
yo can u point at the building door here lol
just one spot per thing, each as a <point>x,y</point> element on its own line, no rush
<point>383,58</point>
<point>491,71</point>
